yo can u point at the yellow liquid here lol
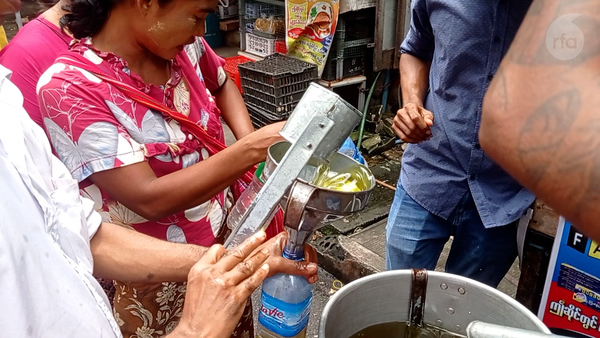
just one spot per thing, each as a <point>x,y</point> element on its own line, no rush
<point>354,179</point>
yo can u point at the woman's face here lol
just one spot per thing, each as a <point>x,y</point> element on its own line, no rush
<point>166,30</point>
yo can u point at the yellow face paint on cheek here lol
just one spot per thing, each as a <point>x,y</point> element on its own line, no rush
<point>158,26</point>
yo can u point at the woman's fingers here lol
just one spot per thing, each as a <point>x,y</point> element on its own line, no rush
<point>247,268</point>
<point>213,255</point>
<point>254,281</point>
<point>310,255</point>
<point>236,255</point>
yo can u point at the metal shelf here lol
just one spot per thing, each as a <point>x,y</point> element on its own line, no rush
<point>242,12</point>
<point>272,2</point>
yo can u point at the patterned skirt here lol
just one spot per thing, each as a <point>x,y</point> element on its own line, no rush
<point>154,310</point>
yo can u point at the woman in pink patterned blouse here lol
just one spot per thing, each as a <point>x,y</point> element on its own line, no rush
<point>142,168</point>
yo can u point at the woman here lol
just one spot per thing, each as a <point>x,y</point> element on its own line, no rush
<point>33,50</point>
<point>141,167</point>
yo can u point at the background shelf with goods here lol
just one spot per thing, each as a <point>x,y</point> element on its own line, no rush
<point>262,26</point>
<point>349,62</point>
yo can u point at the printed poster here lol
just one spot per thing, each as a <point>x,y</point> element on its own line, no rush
<point>310,26</point>
<point>570,303</point>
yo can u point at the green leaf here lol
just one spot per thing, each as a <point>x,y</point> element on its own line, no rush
<point>313,12</point>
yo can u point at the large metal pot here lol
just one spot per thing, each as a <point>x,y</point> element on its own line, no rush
<point>451,303</point>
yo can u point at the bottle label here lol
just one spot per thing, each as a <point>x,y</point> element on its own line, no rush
<point>283,318</point>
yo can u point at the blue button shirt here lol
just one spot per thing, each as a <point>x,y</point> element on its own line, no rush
<point>465,40</point>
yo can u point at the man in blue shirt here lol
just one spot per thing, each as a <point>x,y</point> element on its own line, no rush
<point>448,186</point>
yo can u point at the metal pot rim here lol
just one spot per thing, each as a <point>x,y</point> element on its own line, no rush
<point>354,285</point>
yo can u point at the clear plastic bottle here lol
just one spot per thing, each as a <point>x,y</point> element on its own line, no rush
<point>285,302</point>
<point>241,208</point>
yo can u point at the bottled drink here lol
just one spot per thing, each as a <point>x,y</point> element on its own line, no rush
<point>285,302</point>
<point>241,208</point>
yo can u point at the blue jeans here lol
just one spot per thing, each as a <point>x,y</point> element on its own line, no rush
<point>415,239</point>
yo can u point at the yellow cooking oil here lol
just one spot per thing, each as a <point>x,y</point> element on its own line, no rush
<point>352,179</point>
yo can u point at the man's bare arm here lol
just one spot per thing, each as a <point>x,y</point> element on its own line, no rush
<point>412,121</point>
<point>124,254</point>
<point>127,255</point>
<point>541,115</point>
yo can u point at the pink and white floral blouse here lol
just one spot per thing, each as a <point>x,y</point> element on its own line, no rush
<point>93,127</point>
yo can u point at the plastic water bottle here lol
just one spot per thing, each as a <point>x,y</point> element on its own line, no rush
<point>241,208</point>
<point>285,302</point>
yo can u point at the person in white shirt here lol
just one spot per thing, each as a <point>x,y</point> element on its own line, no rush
<point>53,243</point>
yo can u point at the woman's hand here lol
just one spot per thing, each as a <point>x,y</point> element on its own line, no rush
<point>219,286</point>
<point>259,141</point>
<point>277,264</point>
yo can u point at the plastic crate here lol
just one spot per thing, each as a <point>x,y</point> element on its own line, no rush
<point>279,105</point>
<point>351,66</point>
<point>255,9</point>
<point>354,33</point>
<point>276,83</point>
<point>231,67</point>
<point>260,118</point>
<point>356,25</point>
<point>259,45</point>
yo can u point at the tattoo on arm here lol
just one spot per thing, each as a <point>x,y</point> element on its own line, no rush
<point>544,132</point>
<point>550,107</point>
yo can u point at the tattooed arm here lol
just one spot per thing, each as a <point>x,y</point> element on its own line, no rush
<point>541,114</point>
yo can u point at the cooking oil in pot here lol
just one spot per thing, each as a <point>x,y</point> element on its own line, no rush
<point>402,330</point>
<point>353,179</point>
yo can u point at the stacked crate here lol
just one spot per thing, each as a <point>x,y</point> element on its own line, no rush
<point>273,86</point>
<point>257,42</point>
<point>353,36</point>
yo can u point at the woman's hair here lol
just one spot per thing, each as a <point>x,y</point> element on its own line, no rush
<point>44,5</point>
<point>87,17</point>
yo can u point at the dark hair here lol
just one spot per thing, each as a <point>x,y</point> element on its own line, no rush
<point>87,17</point>
<point>44,5</point>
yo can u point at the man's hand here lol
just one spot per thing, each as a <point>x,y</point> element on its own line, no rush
<point>219,286</point>
<point>278,264</point>
<point>412,123</point>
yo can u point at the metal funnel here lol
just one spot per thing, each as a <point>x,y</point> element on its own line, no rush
<point>308,207</point>
<point>316,129</point>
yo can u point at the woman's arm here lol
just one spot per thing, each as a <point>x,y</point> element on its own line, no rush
<point>137,187</point>
<point>233,108</point>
